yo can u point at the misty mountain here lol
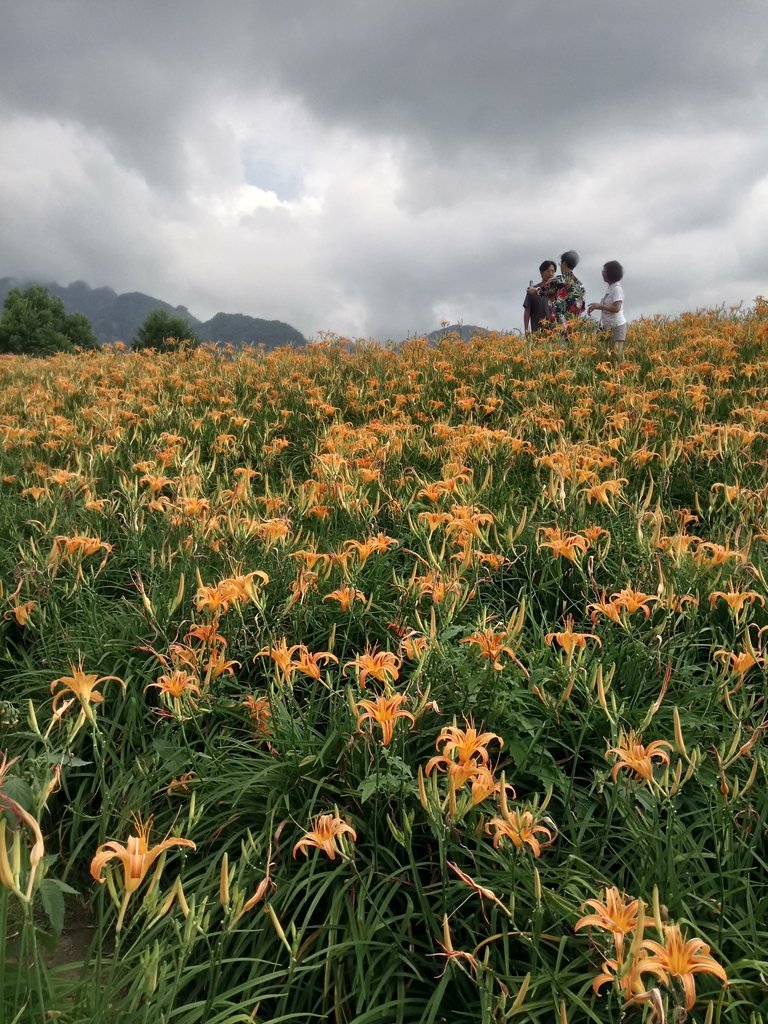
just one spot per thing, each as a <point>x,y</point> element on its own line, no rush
<point>249,330</point>
<point>118,317</point>
<point>465,331</point>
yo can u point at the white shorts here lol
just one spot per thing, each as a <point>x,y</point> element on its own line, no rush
<point>617,332</point>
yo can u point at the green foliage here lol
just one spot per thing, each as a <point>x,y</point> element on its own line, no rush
<point>164,332</point>
<point>174,469</point>
<point>35,323</point>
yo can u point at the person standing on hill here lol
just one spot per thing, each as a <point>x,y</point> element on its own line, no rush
<point>612,318</point>
<point>538,312</point>
<point>565,291</point>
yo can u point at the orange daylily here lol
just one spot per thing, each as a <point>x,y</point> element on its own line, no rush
<point>469,747</point>
<point>569,640</point>
<point>616,913</point>
<point>634,601</point>
<point>178,690</point>
<point>413,645</point>
<point>346,596</point>
<point>603,492</point>
<point>632,755</point>
<point>137,857</point>
<point>282,656</point>
<point>384,711</point>
<point>605,606</point>
<point>328,828</point>
<point>522,828</point>
<point>22,612</point>
<point>259,710</point>
<point>629,977</point>
<point>739,663</point>
<point>681,959</point>
<point>10,867</point>
<point>563,545</point>
<point>309,664</point>
<point>379,544</point>
<point>492,645</point>
<point>83,686</point>
<point>381,665</point>
<point>485,784</point>
<point>736,599</point>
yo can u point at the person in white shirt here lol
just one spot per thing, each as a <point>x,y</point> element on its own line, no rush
<point>612,318</point>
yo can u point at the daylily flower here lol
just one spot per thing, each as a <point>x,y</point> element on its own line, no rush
<point>485,785</point>
<point>738,663</point>
<point>616,913</point>
<point>346,596</point>
<point>259,710</point>
<point>634,601</point>
<point>309,664</point>
<point>178,691</point>
<point>632,755</point>
<point>492,645</point>
<point>571,641</point>
<point>629,978</point>
<point>83,686</point>
<point>563,545</point>
<point>522,828</point>
<point>413,645</point>
<point>464,750</point>
<point>466,743</point>
<point>384,711</point>
<point>603,492</point>
<point>381,665</point>
<point>21,612</point>
<point>736,599</point>
<point>328,828</point>
<point>681,959</point>
<point>137,857</point>
<point>282,656</point>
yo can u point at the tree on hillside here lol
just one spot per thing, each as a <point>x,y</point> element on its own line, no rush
<point>165,333</point>
<point>35,323</point>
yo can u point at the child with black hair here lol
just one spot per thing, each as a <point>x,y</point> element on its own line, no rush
<point>612,318</point>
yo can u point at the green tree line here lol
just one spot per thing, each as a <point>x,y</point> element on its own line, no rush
<point>35,323</point>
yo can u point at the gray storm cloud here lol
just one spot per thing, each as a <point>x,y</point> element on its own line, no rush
<point>373,169</point>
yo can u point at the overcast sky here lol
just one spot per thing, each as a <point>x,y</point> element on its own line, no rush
<point>374,168</point>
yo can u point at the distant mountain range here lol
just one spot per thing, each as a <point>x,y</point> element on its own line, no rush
<point>118,317</point>
<point>465,331</point>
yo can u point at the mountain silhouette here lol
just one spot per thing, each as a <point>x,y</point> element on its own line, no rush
<point>118,317</point>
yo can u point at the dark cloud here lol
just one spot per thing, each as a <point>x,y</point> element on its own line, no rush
<point>371,167</point>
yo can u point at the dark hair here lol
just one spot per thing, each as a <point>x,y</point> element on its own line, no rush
<point>613,271</point>
<point>570,259</point>
<point>547,263</point>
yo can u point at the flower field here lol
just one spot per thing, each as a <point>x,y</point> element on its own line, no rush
<point>387,687</point>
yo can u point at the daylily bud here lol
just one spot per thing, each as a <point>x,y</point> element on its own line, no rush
<point>422,790</point>
<point>601,690</point>
<point>752,776</point>
<point>179,596</point>
<point>520,997</point>
<point>32,718</point>
<point>279,929</point>
<point>657,912</point>
<point>224,882</point>
<point>7,876</point>
<point>679,740</point>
